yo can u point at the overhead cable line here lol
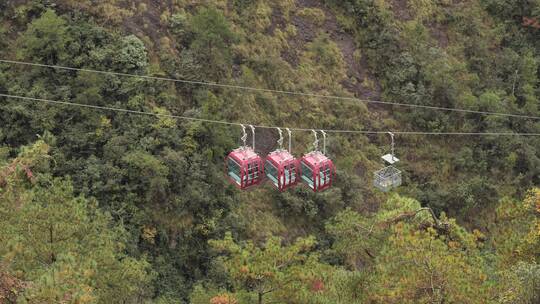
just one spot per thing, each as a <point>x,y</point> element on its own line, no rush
<point>284,92</point>
<point>210,121</point>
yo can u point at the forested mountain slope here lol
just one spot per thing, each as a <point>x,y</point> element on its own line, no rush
<point>108,207</point>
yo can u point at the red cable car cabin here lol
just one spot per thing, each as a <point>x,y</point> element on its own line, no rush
<point>244,167</point>
<point>282,169</point>
<point>317,171</point>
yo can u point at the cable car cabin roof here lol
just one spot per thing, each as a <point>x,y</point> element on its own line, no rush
<point>281,157</point>
<point>244,154</point>
<point>391,159</point>
<point>315,158</point>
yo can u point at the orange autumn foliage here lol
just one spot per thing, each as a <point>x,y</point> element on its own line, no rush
<point>317,286</point>
<point>531,22</point>
<point>223,299</point>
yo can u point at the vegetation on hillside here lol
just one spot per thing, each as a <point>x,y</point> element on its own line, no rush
<point>107,207</point>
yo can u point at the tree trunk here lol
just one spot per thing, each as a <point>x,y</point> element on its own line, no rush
<point>51,240</point>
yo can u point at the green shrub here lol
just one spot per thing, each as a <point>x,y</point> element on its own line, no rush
<point>315,15</point>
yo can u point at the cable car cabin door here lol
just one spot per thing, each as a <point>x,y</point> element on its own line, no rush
<point>288,176</point>
<point>252,174</point>
<point>324,176</point>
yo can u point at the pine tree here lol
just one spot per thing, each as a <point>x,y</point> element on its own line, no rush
<point>61,244</point>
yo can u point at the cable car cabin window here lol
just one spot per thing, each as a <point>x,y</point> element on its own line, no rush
<point>271,172</point>
<point>234,171</point>
<point>307,174</point>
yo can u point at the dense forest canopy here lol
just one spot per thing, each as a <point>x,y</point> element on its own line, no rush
<point>108,207</point>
